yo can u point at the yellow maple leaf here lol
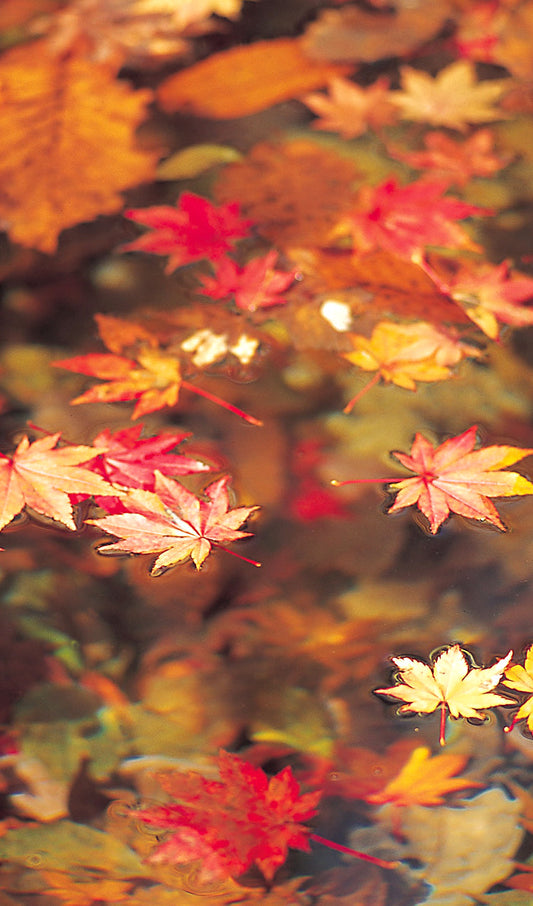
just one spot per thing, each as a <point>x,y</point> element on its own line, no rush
<point>67,143</point>
<point>402,354</point>
<point>521,678</point>
<point>450,683</point>
<point>452,98</point>
<point>424,780</point>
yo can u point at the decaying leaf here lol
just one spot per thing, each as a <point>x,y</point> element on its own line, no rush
<point>82,150</point>
<point>450,683</point>
<point>294,191</point>
<point>356,35</point>
<point>174,523</point>
<point>456,478</point>
<point>453,98</point>
<point>245,80</point>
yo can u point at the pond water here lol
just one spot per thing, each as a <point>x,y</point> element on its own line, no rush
<point>332,259</point>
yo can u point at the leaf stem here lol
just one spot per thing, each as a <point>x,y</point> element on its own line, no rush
<point>355,399</point>
<point>353,852</point>
<point>224,403</point>
<point>442,737</point>
<point>239,556</point>
<point>340,484</point>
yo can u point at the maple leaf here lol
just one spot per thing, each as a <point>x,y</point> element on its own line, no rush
<point>245,818</point>
<point>454,477</point>
<point>404,220</point>
<point>453,98</point>
<point>190,231</point>
<point>256,285</point>
<point>174,523</point>
<point>405,353</point>
<point>489,294</point>
<point>127,458</point>
<point>153,377</point>
<point>521,678</point>
<point>450,683</point>
<point>424,780</point>
<point>82,123</point>
<point>351,110</point>
<point>457,161</point>
<point>41,477</point>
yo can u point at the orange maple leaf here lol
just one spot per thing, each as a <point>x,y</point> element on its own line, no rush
<point>405,353</point>
<point>41,477</point>
<point>174,523</point>
<point>67,143</point>
<point>349,109</point>
<point>455,477</point>
<point>424,780</point>
<point>153,377</point>
<point>456,160</point>
<point>450,683</point>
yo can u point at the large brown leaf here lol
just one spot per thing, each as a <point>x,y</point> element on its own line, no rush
<point>67,143</point>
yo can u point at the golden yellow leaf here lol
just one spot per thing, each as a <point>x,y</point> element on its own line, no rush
<point>424,780</point>
<point>246,79</point>
<point>67,145</point>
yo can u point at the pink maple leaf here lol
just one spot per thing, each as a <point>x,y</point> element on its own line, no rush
<point>404,220</point>
<point>190,231</point>
<point>256,285</point>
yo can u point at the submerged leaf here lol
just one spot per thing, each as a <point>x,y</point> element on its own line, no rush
<point>82,152</point>
<point>245,79</point>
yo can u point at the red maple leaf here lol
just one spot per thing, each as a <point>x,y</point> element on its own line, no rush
<point>41,477</point>
<point>404,220</point>
<point>192,230</point>
<point>174,523</point>
<point>256,285</point>
<point>243,819</point>
<point>454,477</point>
<point>130,460</point>
<point>127,458</point>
